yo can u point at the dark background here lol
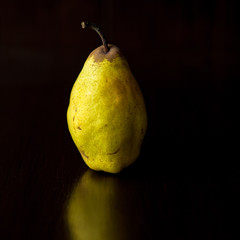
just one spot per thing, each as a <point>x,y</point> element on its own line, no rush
<point>185,56</point>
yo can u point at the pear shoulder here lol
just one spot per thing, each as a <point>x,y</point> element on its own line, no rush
<point>99,53</point>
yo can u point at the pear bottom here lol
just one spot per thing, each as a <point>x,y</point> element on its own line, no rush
<point>109,163</point>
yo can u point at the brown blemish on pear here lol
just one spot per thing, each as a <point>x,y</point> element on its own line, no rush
<point>99,53</point>
<point>114,152</point>
<point>84,154</point>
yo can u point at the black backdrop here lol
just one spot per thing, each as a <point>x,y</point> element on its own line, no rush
<point>184,54</point>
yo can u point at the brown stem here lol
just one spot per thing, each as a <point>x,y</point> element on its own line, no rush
<point>99,31</point>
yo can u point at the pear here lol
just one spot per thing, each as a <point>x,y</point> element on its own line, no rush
<point>106,115</point>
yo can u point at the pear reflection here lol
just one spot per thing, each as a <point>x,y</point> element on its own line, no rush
<point>104,207</point>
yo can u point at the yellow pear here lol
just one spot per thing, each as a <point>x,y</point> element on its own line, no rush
<point>106,115</point>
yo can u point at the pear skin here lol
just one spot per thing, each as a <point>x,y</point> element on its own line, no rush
<point>106,115</point>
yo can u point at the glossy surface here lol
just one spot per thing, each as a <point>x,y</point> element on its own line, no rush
<point>47,192</point>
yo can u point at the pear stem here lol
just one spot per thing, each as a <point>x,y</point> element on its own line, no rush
<point>99,31</point>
